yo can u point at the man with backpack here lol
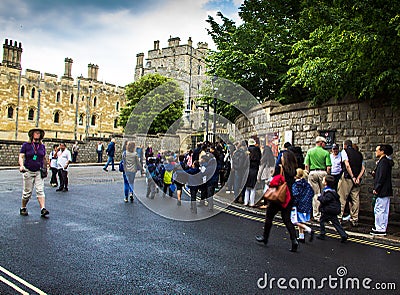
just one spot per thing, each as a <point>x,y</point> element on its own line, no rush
<point>166,177</point>
<point>240,165</point>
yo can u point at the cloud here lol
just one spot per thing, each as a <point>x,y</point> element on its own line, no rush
<point>97,32</point>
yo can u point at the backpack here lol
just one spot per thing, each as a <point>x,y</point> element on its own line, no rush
<point>296,150</point>
<point>121,163</point>
<point>167,177</point>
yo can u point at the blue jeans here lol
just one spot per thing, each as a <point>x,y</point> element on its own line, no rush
<point>110,160</point>
<point>127,188</point>
<point>130,176</point>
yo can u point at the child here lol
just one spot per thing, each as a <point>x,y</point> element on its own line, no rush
<point>151,177</point>
<point>302,204</point>
<point>330,208</point>
<point>193,182</point>
<point>166,176</point>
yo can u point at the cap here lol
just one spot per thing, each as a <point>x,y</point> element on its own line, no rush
<point>320,138</point>
<point>252,141</point>
<point>335,146</point>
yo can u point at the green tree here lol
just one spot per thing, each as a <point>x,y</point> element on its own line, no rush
<point>290,50</point>
<point>154,103</point>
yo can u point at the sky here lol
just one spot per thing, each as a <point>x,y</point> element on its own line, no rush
<point>108,33</point>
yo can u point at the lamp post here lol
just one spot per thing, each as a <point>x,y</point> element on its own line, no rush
<point>206,110</point>
<point>214,90</point>
<point>87,111</point>
<point>76,110</point>
<point>38,108</point>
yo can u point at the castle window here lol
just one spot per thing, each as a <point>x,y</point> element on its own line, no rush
<point>57,117</point>
<point>117,106</point>
<point>93,120</point>
<point>58,96</point>
<point>80,121</point>
<point>10,112</point>
<point>95,101</point>
<point>31,114</point>
<point>22,93</point>
<point>33,92</point>
<point>199,70</point>
<point>83,98</point>
<point>71,100</point>
<point>116,123</point>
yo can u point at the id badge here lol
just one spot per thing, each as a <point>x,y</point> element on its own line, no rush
<point>34,157</point>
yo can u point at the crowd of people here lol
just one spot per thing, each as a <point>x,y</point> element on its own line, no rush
<point>320,186</point>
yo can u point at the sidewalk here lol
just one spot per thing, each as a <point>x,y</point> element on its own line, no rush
<point>361,231</point>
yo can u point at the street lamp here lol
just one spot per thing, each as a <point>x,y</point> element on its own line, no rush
<point>206,110</point>
<point>87,111</point>
<point>214,90</point>
<point>38,108</point>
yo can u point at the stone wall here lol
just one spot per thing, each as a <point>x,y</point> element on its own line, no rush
<point>367,125</point>
<point>9,149</point>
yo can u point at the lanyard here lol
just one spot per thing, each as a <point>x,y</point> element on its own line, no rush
<point>35,149</point>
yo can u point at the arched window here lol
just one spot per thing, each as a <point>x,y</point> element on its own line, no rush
<point>71,99</point>
<point>31,114</point>
<point>22,93</point>
<point>57,117</point>
<point>33,92</point>
<point>117,106</point>
<point>95,101</point>
<point>80,122</point>
<point>93,120</point>
<point>10,112</point>
<point>199,70</point>
<point>83,98</point>
<point>58,96</point>
<point>116,123</point>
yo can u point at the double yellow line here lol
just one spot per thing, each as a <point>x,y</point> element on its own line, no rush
<point>21,281</point>
<point>336,236</point>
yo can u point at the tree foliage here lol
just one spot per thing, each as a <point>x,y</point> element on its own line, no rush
<point>296,50</point>
<point>154,103</point>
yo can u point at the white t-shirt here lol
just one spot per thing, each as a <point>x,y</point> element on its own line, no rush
<point>63,158</point>
<point>53,162</point>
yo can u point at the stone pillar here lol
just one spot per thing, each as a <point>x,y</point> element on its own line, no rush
<point>5,52</point>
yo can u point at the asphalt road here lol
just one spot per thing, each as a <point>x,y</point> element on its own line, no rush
<point>94,243</point>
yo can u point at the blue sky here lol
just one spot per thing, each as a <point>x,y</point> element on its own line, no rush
<point>106,33</point>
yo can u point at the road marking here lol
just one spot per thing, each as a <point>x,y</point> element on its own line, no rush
<point>23,282</point>
<point>336,236</point>
<point>15,287</point>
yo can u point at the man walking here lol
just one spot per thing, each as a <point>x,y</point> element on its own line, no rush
<point>63,160</point>
<point>349,183</point>
<point>111,153</point>
<point>318,164</point>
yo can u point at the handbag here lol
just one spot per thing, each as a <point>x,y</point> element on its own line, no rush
<point>121,166</point>
<point>43,172</point>
<point>276,194</point>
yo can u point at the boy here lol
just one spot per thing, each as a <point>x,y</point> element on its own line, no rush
<point>330,208</point>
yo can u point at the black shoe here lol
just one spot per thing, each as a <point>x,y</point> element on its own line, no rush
<point>343,239</point>
<point>261,239</point>
<point>179,203</point>
<point>303,241</point>
<point>65,189</point>
<point>311,238</point>
<point>295,245</point>
<point>321,237</point>
<point>131,198</point>
<point>23,212</point>
<point>113,170</point>
<point>44,212</point>
<point>59,189</point>
<point>105,169</point>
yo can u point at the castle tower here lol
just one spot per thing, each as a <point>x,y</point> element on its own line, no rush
<point>173,42</point>
<point>68,68</point>
<point>12,54</point>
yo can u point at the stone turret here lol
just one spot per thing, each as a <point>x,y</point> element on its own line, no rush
<point>173,42</point>
<point>12,54</point>
<point>139,60</point>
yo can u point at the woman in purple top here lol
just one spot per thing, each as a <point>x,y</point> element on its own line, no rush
<point>32,157</point>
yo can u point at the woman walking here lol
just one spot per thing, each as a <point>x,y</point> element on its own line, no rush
<point>131,164</point>
<point>288,167</point>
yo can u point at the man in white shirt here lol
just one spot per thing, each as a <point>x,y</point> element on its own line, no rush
<point>336,168</point>
<point>63,160</point>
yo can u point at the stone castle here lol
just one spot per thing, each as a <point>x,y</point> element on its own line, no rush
<point>65,108</point>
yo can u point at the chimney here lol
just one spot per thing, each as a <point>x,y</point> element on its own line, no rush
<point>95,72</point>
<point>139,60</point>
<point>156,45</point>
<point>90,71</point>
<point>190,42</point>
<point>173,42</point>
<point>12,54</point>
<point>68,67</point>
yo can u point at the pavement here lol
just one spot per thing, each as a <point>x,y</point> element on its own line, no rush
<point>362,231</point>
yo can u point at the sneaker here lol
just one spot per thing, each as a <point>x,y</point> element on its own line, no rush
<point>179,203</point>
<point>113,170</point>
<point>131,197</point>
<point>378,233</point>
<point>23,212</point>
<point>126,200</point>
<point>105,169</point>
<point>59,189</point>
<point>346,218</point>
<point>44,212</point>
